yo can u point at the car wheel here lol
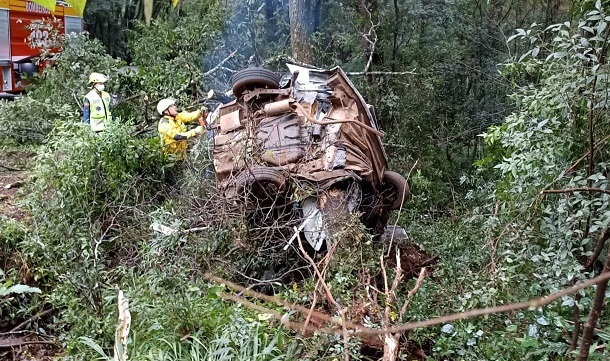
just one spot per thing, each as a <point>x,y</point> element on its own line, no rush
<point>250,78</point>
<point>394,190</point>
<point>261,183</point>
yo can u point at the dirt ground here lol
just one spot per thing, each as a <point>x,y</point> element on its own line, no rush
<point>18,344</point>
<point>14,167</point>
<point>10,182</point>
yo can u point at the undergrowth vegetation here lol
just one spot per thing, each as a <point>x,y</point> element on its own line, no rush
<point>530,219</point>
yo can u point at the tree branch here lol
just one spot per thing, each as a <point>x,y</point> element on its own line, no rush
<point>361,331</point>
<point>38,315</point>
<point>540,302</point>
<point>601,241</point>
<point>219,64</point>
<point>330,297</point>
<point>573,166</point>
<point>420,280</point>
<point>358,73</point>
<point>15,343</point>
<point>572,190</point>
<point>596,309</point>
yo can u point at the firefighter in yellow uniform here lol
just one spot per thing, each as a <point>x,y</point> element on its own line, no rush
<point>172,128</point>
<point>96,106</point>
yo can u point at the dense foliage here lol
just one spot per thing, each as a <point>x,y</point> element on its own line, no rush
<point>500,125</point>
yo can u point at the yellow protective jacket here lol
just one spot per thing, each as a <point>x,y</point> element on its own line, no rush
<point>98,109</point>
<point>174,134</point>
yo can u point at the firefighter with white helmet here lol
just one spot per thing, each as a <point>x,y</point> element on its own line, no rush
<point>96,106</point>
<point>172,128</point>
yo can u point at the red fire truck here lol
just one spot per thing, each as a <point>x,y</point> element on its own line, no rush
<point>16,51</point>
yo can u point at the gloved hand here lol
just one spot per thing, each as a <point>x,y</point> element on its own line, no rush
<point>199,130</point>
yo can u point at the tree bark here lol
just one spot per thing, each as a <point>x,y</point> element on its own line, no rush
<point>300,32</point>
<point>598,304</point>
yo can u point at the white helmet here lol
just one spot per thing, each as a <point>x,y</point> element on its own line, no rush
<point>97,78</point>
<point>163,104</point>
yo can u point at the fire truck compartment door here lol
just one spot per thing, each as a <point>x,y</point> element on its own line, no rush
<point>5,38</point>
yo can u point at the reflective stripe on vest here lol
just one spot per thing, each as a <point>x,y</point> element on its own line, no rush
<point>99,108</point>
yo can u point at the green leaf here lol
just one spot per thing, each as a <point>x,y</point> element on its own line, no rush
<point>93,345</point>
<point>19,289</point>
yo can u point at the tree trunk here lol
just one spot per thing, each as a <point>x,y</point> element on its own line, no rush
<point>390,347</point>
<point>598,304</point>
<point>299,31</point>
<point>148,10</point>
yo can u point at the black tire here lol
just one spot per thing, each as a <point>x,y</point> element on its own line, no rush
<point>263,183</point>
<point>250,78</point>
<point>394,190</point>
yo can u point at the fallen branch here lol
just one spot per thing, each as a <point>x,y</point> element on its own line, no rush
<point>362,331</point>
<point>11,168</point>
<point>572,190</point>
<point>286,322</point>
<point>196,229</point>
<point>358,73</point>
<point>219,64</point>
<point>329,296</point>
<point>122,329</point>
<point>420,280</point>
<point>16,343</point>
<point>536,303</point>
<point>38,315</point>
<point>390,340</point>
<point>271,299</point>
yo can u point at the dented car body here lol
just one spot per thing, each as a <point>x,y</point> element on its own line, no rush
<point>306,144</point>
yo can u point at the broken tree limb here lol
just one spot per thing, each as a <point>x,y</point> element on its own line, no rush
<point>38,315</point>
<point>298,230</point>
<point>360,331</point>
<point>390,340</point>
<point>330,297</point>
<point>282,318</point>
<point>11,168</point>
<point>219,64</point>
<point>305,311</point>
<point>535,303</point>
<point>596,310</point>
<point>405,306</point>
<point>10,343</point>
<point>572,190</point>
<point>122,329</point>
<point>357,73</point>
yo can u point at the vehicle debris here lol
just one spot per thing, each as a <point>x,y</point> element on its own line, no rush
<point>307,146</point>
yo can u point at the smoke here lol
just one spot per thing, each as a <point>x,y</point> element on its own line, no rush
<point>257,30</point>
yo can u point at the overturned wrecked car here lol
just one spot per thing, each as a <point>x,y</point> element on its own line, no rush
<point>304,150</point>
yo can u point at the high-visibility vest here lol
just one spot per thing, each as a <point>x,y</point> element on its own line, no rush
<point>99,109</point>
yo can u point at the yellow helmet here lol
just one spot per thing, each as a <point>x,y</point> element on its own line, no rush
<point>164,104</point>
<point>97,78</point>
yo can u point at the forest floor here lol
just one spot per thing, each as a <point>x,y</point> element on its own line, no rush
<point>10,181</point>
<point>14,166</point>
<point>17,344</point>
